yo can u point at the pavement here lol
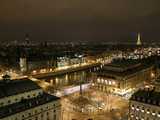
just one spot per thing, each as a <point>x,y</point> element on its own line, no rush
<point>116,107</point>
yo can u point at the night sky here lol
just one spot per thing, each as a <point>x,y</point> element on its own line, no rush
<point>80,20</point>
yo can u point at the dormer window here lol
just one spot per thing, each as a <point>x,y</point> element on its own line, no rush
<point>9,101</point>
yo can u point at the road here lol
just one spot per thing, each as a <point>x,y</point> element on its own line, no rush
<point>63,70</point>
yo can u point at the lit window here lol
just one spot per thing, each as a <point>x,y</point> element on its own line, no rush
<point>142,110</point>
<point>153,113</point>
<point>106,82</point>
<point>148,111</point>
<point>137,108</point>
<point>2,104</point>
<point>98,80</point>
<point>102,80</point>
<point>132,115</point>
<point>113,82</point>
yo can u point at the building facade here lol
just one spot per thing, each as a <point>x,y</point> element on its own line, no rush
<point>145,105</point>
<point>25,100</point>
<point>121,79</point>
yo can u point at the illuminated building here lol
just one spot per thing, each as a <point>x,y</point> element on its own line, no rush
<point>25,100</point>
<point>139,39</point>
<point>145,105</point>
<point>156,84</point>
<point>71,60</point>
<point>23,64</point>
<point>122,77</point>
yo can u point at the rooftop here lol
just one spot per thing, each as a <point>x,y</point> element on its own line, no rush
<point>147,96</point>
<point>121,65</point>
<point>110,73</point>
<point>123,62</point>
<point>13,87</point>
<point>26,104</point>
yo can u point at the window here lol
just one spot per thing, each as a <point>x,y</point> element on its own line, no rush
<point>2,104</point>
<point>47,113</point>
<point>153,113</point>
<point>35,111</point>
<point>9,101</point>
<point>148,111</point>
<point>132,107</point>
<point>137,108</point>
<point>29,114</point>
<point>142,110</point>
<point>54,117</point>
<point>36,118</point>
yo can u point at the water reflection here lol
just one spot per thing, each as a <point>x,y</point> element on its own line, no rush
<point>69,79</point>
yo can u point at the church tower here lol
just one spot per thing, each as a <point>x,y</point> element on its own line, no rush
<point>139,39</point>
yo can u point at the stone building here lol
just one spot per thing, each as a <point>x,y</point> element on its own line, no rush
<point>145,105</point>
<point>122,77</point>
<point>25,100</point>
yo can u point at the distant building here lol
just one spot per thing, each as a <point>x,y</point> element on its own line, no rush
<point>23,64</point>
<point>25,100</point>
<point>122,77</point>
<point>27,40</point>
<point>145,105</point>
<point>156,84</point>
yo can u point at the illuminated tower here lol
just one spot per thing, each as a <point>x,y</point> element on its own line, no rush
<point>139,39</point>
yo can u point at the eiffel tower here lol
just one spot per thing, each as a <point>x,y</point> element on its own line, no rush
<point>139,39</point>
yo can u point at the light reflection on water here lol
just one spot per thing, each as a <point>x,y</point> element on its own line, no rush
<point>69,79</point>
